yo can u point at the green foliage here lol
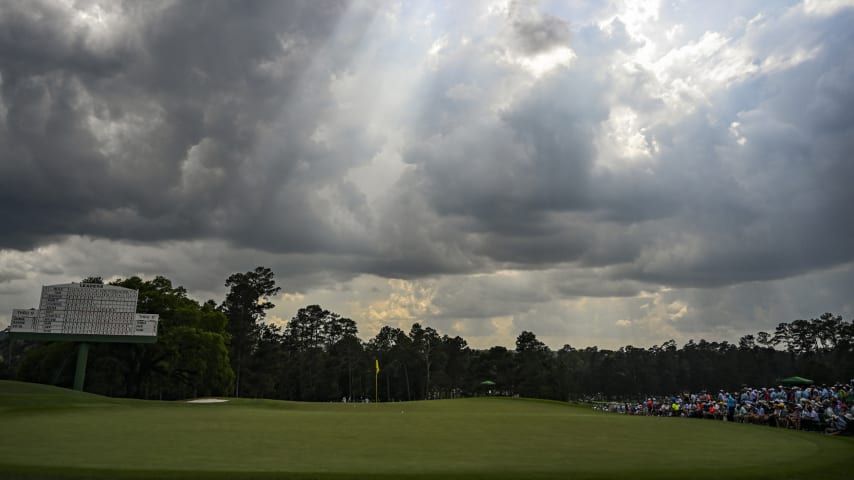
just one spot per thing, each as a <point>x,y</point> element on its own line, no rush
<point>245,306</point>
<point>51,364</point>
<point>533,369</point>
<point>190,356</point>
<point>421,364</point>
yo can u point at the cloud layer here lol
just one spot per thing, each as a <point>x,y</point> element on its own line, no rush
<point>506,164</point>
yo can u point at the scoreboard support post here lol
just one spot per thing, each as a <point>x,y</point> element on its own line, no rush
<point>83,342</point>
<point>80,370</point>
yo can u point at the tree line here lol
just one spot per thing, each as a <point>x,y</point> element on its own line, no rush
<point>222,349</point>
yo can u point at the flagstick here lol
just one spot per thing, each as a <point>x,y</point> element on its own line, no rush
<point>377,382</point>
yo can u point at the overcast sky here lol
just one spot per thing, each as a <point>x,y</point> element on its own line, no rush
<point>601,173</point>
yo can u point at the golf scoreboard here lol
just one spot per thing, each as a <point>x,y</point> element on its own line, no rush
<point>82,309</point>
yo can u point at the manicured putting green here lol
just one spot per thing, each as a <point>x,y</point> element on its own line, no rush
<point>54,433</point>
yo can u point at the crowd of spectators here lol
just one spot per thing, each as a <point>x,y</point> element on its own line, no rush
<point>823,408</point>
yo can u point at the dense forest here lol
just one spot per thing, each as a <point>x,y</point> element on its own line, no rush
<point>228,349</point>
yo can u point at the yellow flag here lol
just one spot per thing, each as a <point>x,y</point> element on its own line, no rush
<point>378,365</point>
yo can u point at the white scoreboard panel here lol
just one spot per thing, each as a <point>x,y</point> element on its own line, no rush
<point>145,324</point>
<point>24,320</point>
<point>85,309</point>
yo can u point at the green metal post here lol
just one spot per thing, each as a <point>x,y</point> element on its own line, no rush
<point>80,372</point>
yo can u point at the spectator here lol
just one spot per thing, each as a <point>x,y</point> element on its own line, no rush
<point>836,426</point>
<point>822,408</point>
<point>730,405</point>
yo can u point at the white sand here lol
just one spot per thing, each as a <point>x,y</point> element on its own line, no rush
<point>207,400</point>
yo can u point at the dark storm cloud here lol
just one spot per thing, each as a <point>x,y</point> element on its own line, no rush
<point>520,292</point>
<point>499,179</point>
<point>535,32</point>
<point>187,120</point>
<point>39,37</point>
<point>779,205</point>
<point>705,210</point>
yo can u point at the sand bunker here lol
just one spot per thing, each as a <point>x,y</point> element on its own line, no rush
<point>207,400</point>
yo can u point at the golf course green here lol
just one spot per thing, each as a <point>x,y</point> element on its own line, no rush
<point>48,432</point>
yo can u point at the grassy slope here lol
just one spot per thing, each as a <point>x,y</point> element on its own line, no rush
<point>50,432</point>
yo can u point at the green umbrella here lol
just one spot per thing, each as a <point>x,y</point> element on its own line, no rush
<point>487,382</point>
<point>796,381</point>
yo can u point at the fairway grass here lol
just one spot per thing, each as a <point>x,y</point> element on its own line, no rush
<point>47,432</point>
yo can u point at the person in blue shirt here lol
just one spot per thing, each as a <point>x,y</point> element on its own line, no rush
<point>730,407</point>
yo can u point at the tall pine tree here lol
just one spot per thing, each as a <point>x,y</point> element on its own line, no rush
<point>245,305</point>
